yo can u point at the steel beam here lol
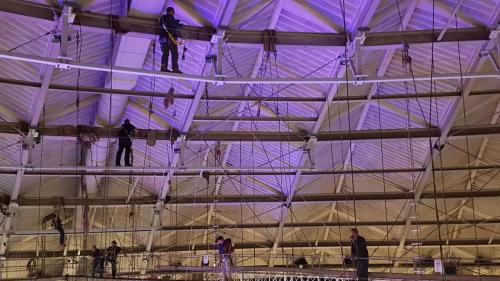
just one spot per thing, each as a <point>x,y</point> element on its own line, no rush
<point>260,245</point>
<point>148,28</point>
<point>215,80</point>
<point>225,137</point>
<point>72,171</point>
<point>70,89</point>
<point>319,272</point>
<point>450,18</point>
<point>25,202</point>
<point>14,196</point>
<point>189,227</point>
<point>255,118</point>
<point>45,77</point>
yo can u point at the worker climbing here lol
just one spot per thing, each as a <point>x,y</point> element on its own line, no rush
<point>359,254</point>
<point>169,40</point>
<point>57,225</point>
<point>226,251</point>
<point>112,256</point>
<point>127,130</point>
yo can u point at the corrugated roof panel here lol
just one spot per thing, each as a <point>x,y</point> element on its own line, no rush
<point>387,17</point>
<point>398,153</point>
<point>47,187</point>
<point>252,15</point>
<point>341,116</point>
<point>10,146</point>
<point>317,16</point>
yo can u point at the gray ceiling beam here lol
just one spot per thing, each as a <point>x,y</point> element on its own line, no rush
<point>72,131</point>
<point>25,202</point>
<point>228,171</point>
<point>259,245</point>
<point>454,222</point>
<point>70,89</point>
<point>147,28</point>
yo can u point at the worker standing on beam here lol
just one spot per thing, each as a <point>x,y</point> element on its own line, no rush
<point>359,254</point>
<point>125,142</point>
<point>169,35</point>
<point>112,256</point>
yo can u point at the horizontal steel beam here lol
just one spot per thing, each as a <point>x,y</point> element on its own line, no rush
<point>256,118</point>
<point>59,63</point>
<point>321,271</point>
<point>70,89</point>
<point>288,273</point>
<point>261,245</point>
<point>51,232</point>
<point>228,199</point>
<point>72,171</point>
<point>72,131</point>
<point>149,28</point>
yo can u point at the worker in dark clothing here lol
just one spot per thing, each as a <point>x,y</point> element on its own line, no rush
<point>359,254</point>
<point>57,225</point>
<point>112,256</point>
<point>125,142</point>
<point>97,262</point>
<point>169,33</point>
<point>226,251</point>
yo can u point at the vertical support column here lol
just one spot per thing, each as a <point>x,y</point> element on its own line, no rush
<point>26,145</point>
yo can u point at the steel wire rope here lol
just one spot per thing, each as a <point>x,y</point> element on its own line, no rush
<point>431,148</point>
<point>241,207</point>
<point>80,149</point>
<point>150,112</point>
<point>221,166</point>
<point>191,238</point>
<point>383,181</point>
<point>253,123</point>
<point>342,6</point>
<point>29,41</point>
<point>108,141</point>
<point>330,131</point>
<point>407,67</point>
<point>279,180</point>
<point>232,63</point>
<point>289,170</point>
<point>467,143</point>
<point>281,89</point>
<point>264,99</point>
<point>252,156</point>
<point>441,173</point>
<point>222,230</point>
<point>448,215</point>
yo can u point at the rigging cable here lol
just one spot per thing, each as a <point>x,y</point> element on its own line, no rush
<point>467,143</point>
